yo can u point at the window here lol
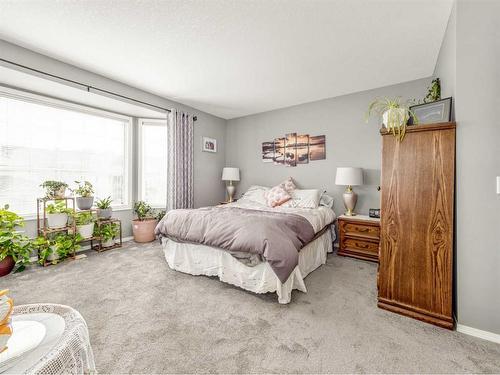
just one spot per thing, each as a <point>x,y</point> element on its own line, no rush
<point>44,139</point>
<point>153,162</point>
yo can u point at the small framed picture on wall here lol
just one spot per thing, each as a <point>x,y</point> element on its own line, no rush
<point>209,144</point>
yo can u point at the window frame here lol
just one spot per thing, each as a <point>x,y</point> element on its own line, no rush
<point>48,101</point>
<point>140,179</point>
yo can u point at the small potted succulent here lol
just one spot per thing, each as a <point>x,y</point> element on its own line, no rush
<point>104,209</point>
<point>144,226</point>
<point>108,232</point>
<point>395,115</point>
<point>55,189</point>
<point>15,248</point>
<point>85,192</point>
<point>84,222</point>
<point>57,214</point>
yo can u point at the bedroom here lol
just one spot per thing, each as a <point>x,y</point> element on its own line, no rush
<point>151,101</point>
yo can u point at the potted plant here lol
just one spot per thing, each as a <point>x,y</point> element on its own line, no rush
<point>15,248</point>
<point>84,224</point>
<point>104,209</point>
<point>54,189</point>
<point>58,248</point>
<point>108,233</point>
<point>57,214</point>
<point>85,192</point>
<point>395,115</point>
<point>144,226</point>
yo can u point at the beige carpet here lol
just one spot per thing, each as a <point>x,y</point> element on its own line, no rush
<point>145,318</point>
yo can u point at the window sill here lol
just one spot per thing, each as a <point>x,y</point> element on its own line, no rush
<point>32,217</point>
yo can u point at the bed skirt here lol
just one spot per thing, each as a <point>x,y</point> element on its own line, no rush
<point>209,261</point>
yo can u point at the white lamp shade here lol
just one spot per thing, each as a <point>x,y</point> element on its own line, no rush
<point>349,176</point>
<point>230,174</point>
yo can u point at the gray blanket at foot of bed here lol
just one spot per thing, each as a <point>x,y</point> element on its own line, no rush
<point>276,236</point>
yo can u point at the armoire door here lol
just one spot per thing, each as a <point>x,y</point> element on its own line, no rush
<point>416,249</point>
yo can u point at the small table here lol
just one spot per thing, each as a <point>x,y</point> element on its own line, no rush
<point>64,348</point>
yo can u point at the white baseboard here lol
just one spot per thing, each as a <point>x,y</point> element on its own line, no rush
<point>485,335</point>
<point>85,248</point>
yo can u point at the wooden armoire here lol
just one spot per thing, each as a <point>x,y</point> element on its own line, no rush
<point>416,242</point>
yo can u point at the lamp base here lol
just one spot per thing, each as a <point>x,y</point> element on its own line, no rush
<point>230,192</point>
<point>350,199</point>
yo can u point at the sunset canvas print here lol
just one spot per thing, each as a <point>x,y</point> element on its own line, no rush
<point>294,149</point>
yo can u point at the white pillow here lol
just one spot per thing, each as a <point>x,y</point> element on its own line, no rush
<point>304,198</point>
<point>256,193</point>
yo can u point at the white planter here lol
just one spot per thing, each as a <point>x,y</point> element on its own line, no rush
<point>54,255</point>
<point>86,230</point>
<point>400,115</point>
<point>108,243</point>
<point>57,220</point>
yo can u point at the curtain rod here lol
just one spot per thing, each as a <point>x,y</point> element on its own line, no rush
<point>87,87</point>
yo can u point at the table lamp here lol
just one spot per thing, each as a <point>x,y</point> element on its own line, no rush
<point>230,174</point>
<point>349,176</point>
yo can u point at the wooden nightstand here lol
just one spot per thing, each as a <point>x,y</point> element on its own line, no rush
<point>359,237</point>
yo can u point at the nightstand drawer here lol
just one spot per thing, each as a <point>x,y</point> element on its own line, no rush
<point>362,230</point>
<point>361,246</point>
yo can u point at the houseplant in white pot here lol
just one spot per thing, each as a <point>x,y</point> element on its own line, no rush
<point>15,247</point>
<point>85,192</point>
<point>57,214</point>
<point>54,189</point>
<point>144,226</point>
<point>57,248</point>
<point>395,114</point>
<point>108,232</point>
<point>84,222</point>
<point>104,209</point>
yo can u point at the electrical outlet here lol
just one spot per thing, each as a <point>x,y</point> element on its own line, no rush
<point>498,184</point>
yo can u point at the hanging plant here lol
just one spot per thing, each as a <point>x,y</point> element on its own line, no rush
<point>395,115</point>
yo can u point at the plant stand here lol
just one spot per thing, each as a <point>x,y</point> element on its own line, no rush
<point>96,243</point>
<point>41,223</point>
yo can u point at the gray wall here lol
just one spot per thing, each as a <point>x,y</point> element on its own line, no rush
<point>471,52</point>
<point>349,142</point>
<point>208,188</point>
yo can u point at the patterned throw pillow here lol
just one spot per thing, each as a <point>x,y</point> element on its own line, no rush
<point>288,185</point>
<point>277,196</point>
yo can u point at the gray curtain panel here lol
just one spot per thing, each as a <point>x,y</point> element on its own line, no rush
<point>180,131</point>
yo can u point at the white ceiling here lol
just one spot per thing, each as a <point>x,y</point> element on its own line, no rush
<point>232,57</point>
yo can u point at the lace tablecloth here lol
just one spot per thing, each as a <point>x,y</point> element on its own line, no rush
<point>68,353</point>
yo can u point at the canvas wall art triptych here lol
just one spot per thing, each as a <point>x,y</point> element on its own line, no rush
<point>294,149</point>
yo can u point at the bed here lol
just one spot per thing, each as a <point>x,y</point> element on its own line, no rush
<point>248,244</point>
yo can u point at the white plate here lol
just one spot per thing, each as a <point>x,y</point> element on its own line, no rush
<point>26,336</point>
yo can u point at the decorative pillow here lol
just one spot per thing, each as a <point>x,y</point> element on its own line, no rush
<point>288,185</point>
<point>277,196</point>
<point>304,198</point>
<point>326,200</point>
<point>256,193</point>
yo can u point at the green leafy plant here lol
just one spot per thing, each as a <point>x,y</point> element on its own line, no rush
<point>143,211</point>
<point>160,214</point>
<point>104,204</point>
<point>84,189</point>
<point>12,242</point>
<point>398,114</point>
<point>434,92</point>
<point>61,244</point>
<point>54,189</point>
<point>83,218</point>
<point>58,207</point>
<point>107,231</point>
